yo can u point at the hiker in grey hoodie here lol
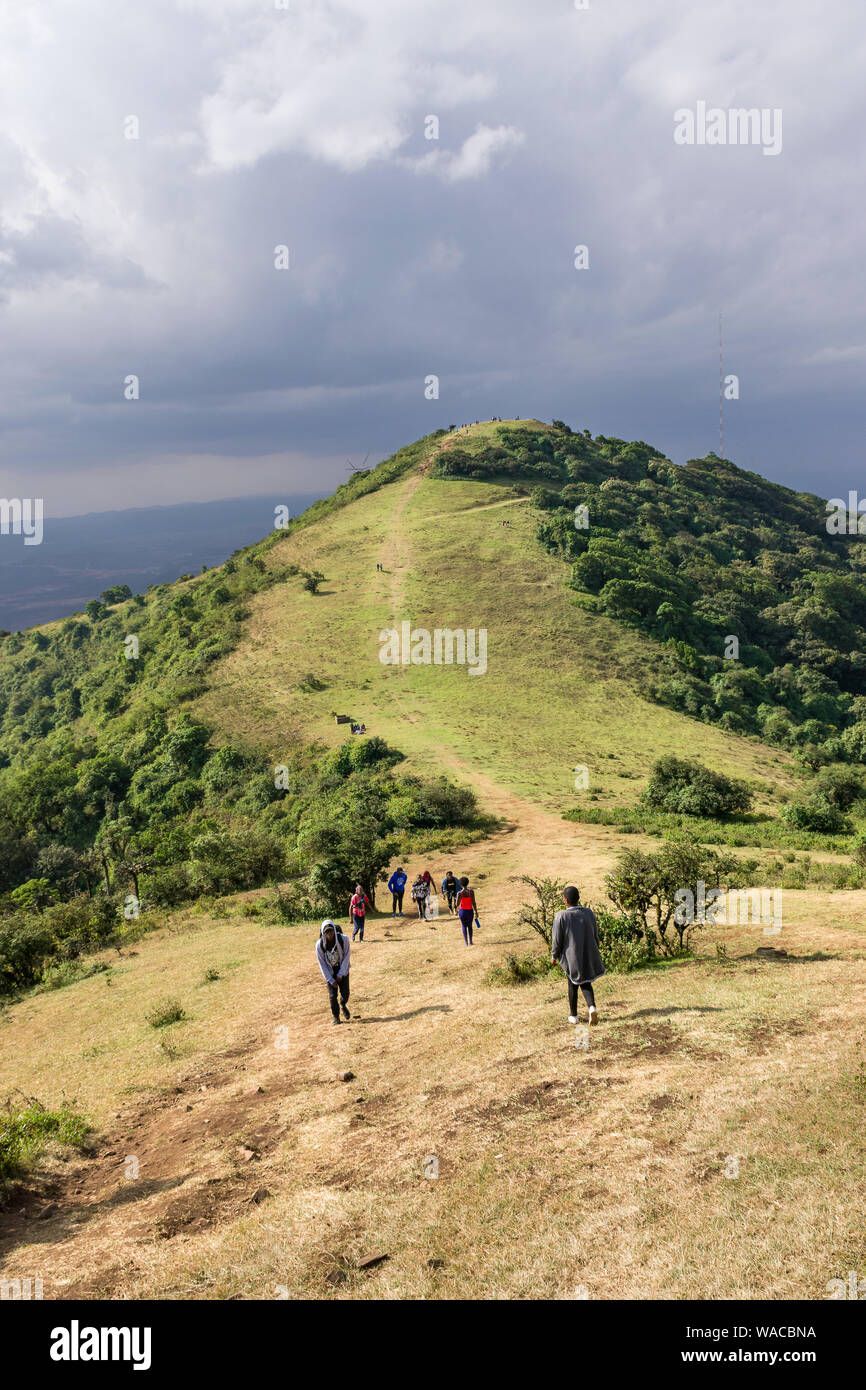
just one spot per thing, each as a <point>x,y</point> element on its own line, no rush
<point>332,953</point>
<point>575,947</point>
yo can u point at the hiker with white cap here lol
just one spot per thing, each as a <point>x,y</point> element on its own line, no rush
<point>332,953</point>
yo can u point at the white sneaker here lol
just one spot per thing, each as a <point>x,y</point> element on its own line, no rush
<point>571,1018</point>
<point>593,1015</point>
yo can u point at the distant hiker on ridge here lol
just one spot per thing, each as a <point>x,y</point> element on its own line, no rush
<point>575,947</point>
<point>396,887</point>
<point>332,953</point>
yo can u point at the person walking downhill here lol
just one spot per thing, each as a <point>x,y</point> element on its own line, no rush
<point>574,946</point>
<point>358,904</point>
<point>396,887</point>
<point>332,953</point>
<point>419,896</point>
<point>467,910</point>
<point>450,889</point>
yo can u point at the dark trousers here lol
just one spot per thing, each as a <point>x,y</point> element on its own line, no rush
<point>343,986</point>
<point>588,994</point>
<point>421,904</point>
<point>398,902</point>
<point>467,917</point>
<point>451,899</point>
<point>359,925</point>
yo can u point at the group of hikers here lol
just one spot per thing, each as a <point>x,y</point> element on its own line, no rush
<point>458,895</point>
<point>574,943</point>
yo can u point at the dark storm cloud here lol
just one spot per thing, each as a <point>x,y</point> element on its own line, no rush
<point>306,127</point>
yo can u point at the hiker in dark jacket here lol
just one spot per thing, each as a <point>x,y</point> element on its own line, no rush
<point>450,889</point>
<point>332,953</point>
<point>575,947</point>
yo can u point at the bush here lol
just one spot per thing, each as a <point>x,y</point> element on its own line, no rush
<point>25,945</point>
<point>647,889</point>
<point>539,914</point>
<point>166,885</point>
<point>687,787</point>
<point>83,923</point>
<point>623,946</point>
<point>167,1011</point>
<point>291,904</point>
<point>223,863</point>
<point>816,813</point>
<point>25,1131</point>
<point>518,970</point>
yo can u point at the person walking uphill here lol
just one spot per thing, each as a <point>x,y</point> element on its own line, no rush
<point>574,946</point>
<point>358,904</point>
<point>396,887</point>
<point>332,953</point>
<point>419,896</point>
<point>450,889</point>
<point>467,910</point>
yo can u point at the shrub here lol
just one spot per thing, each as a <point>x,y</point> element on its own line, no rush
<point>25,945</point>
<point>166,885</point>
<point>539,914</point>
<point>24,1132</point>
<point>83,923</point>
<point>167,1011</point>
<point>815,812</point>
<point>623,946</point>
<point>222,862</point>
<point>647,889</point>
<point>681,785</point>
<point>518,970</point>
<point>291,904</point>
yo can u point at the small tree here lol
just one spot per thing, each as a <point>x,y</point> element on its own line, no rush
<point>311,581</point>
<point>117,593</point>
<point>539,914</point>
<point>645,887</point>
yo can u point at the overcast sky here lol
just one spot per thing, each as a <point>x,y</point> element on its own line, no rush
<point>260,126</point>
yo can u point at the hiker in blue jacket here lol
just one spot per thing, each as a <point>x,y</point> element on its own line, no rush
<point>332,953</point>
<point>396,885</point>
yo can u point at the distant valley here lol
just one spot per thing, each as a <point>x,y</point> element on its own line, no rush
<point>82,555</point>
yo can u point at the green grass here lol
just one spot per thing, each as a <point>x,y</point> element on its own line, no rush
<point>25,1132</point>
<point>754,831</point>
<point>562,685</point>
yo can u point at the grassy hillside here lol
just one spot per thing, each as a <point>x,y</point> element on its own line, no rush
<point>703,1143</point>
<point>562,685</point>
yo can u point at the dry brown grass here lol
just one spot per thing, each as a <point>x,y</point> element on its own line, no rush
<point>558,1167</point>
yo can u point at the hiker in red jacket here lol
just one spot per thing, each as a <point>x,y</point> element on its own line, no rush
<point>358,904</point>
